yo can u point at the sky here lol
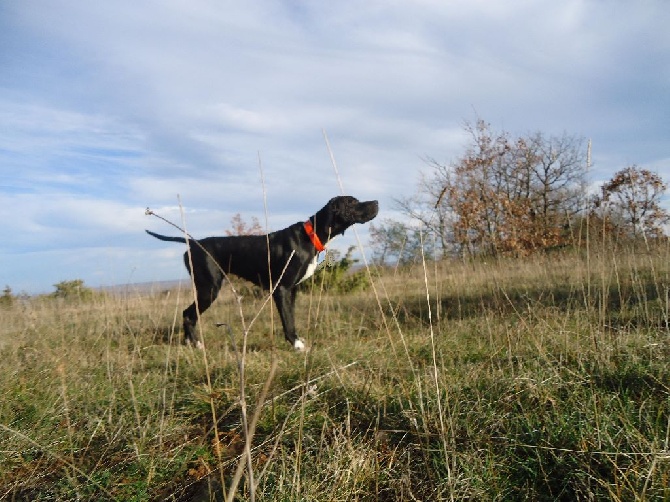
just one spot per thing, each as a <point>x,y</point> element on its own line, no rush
<point>202,109</point>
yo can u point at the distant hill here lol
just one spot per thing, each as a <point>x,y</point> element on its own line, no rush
<point>143,287</point>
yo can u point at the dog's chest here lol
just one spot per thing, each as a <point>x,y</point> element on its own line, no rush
<point>314,264</point>
<point>311,268</point>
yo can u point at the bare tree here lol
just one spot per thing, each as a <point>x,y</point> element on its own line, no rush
<point>505,195</point>
<point>557,171</point>
<point>421,207</point>
<point>240,227</point>
<point>632,201</point>
<point>394,241</point>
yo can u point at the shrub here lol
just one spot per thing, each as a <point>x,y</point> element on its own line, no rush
<point>74,289</point>
<point>336,276</point>
<point>7,298</point>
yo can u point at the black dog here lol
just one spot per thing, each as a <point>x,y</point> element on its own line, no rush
<point>247,256</point>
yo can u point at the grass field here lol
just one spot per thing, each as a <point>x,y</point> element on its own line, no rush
<point>539,379</point>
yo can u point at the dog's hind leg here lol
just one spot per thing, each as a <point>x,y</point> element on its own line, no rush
<point>207,288</point>
<point>207,280</point>
<point>190,320</point>
<point>205,298</point>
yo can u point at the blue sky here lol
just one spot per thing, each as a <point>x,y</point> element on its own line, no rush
<point>109,108</point>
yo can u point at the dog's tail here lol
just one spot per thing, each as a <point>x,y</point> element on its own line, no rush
<point>165,237</point>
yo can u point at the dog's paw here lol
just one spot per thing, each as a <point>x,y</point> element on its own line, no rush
<point>196,344</point>
<point>299,345</point>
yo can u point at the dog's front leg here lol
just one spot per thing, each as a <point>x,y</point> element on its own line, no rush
<point>285,300</point>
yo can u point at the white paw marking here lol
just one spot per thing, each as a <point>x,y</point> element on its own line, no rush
<point>299,345</point>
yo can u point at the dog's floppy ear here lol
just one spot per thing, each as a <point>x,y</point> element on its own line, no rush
<point>345,207</point>
<point>324,218</point>
<point>344,213</point>
<point>333,214</point>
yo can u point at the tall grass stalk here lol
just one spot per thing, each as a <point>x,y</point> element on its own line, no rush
<point>248,428</point>
<point>438,392</point>
<point>201,338</point>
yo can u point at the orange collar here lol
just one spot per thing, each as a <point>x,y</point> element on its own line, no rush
<point>313,237</point>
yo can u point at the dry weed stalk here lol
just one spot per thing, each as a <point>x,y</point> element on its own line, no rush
<point>248,428</point>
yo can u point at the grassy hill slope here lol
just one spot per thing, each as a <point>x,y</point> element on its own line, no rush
<point>541,379</point>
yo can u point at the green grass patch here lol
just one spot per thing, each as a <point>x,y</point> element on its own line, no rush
<point>544,379</point>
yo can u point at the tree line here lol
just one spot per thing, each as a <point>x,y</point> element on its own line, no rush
<point>516,196</point>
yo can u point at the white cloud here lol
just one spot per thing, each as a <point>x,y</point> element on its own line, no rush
<point>60,220</point>
<point>109,108</point>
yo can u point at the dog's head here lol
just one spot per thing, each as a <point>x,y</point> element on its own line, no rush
<point>343,211</point>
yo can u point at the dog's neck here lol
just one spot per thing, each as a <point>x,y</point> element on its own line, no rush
<point>311,233</point>
<point>324,226</point>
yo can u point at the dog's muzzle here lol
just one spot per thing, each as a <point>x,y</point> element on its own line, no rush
<point>368,210</point>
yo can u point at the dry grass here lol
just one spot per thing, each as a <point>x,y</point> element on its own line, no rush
<point>542,379</point>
